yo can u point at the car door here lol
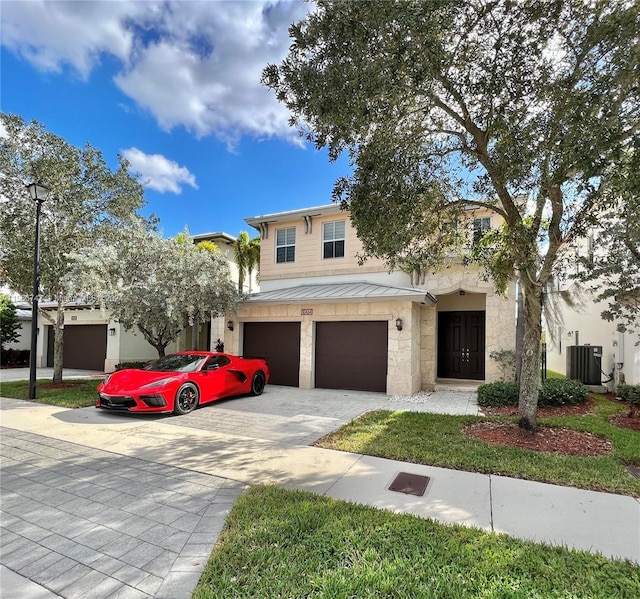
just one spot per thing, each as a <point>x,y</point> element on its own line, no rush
<point>218,379</point>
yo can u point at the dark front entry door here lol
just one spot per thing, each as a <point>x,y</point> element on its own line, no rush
<point>461,345</point>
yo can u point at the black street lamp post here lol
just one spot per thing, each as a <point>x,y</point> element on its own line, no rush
<point>38,194</point>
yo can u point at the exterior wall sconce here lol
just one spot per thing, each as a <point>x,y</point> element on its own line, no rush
<point>112,332</point>
<point>399,324</point>
<point>230,325</point>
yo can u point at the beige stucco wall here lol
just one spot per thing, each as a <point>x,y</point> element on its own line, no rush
<point>583,325</point>
<point>309,259</point>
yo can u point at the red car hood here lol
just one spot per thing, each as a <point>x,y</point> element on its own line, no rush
<point>132,380</point>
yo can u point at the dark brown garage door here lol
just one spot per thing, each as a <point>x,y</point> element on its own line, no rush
<point>85,346</point>
<point>351,355</point>
<point>279,342</point>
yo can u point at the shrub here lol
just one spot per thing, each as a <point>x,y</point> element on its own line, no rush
<point>630,393</point>
<point>554,392</point>
<point>506,359</point>
<point>124,365</point>
<point>14,358</point>
<point>561,392</point>
<point>498,394</point>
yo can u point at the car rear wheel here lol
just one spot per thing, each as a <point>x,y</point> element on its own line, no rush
<point>187,399</point>
<point>257,383</point>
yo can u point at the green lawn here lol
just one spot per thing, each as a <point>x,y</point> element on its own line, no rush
<point>437,440</point>
<point>72,393</point>
<point>289,544</point>
<point>555,375</point>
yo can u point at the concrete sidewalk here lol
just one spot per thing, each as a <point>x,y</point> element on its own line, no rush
<point>128,460</point>
<point>22,374</point>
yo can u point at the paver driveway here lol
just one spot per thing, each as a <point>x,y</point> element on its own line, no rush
<point>88,521</point>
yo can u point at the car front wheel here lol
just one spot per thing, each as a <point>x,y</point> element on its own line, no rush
<point>257,384</point>
<point>187,399</point>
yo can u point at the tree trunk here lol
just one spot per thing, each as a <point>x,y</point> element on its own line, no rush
<point>58,341</point>
<point>519,333</point>
<point>530,372</point>
<point>195,331</point>
<point>160,349</point>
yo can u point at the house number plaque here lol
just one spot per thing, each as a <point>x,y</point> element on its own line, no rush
<point>306,312</point>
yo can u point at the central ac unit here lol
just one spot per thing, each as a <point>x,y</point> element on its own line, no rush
<point>584,363</point>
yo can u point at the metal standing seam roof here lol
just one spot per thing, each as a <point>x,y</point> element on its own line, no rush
<point>342,291</point>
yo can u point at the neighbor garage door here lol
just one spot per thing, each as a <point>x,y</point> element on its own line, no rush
<point>85,346</point>
<point>351,355</point>
<point>279,342</point>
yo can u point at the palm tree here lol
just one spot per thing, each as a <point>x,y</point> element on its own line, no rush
<point>247,257</point>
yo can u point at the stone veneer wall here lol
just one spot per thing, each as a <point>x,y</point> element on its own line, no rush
<point>403,366</point>
<point>500,325</point>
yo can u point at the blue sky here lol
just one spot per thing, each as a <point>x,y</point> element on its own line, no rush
<point>174,87</point>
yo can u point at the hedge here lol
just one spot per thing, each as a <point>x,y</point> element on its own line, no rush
<point>554,392</point>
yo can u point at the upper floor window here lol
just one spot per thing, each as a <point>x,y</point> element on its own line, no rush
<point>480,227</point>
<point>333,239</point>
<point>286,245</point>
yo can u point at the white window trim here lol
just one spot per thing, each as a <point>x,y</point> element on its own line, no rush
<point>334,239</point>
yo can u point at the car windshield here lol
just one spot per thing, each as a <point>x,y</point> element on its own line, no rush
<point>177,363</point>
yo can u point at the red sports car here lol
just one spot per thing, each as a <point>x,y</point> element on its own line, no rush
<point>179,382</point>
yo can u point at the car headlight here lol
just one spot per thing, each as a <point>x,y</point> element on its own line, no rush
<point>159,383</point>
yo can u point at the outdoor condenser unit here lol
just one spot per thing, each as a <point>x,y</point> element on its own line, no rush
<point>584,363</point>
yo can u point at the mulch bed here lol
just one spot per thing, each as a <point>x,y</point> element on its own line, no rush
<point>548,439</point>
<point>576,410</point>
<point>624,421</point>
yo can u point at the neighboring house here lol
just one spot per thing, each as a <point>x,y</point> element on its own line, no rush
<point>323,320</point>
<point>92,341</point>
<point>24,332</point>
<point>581,325</point>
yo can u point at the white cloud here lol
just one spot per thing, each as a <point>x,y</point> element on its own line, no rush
<point>195,65</point>
<point>158,172</point>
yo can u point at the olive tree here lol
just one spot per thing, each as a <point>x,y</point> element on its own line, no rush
<point>154,285</point>
<point>87,202</point>
<point>523,108</point>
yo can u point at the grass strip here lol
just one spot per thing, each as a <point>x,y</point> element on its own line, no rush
<point>280,543</point>
<point>71,393</point>
<point>437,440</point>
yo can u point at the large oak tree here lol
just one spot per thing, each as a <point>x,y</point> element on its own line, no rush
<point>522,107</point>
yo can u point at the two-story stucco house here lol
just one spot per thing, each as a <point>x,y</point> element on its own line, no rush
<point>324,320</point>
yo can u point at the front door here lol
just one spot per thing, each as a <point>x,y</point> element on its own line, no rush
<point>461,345</point>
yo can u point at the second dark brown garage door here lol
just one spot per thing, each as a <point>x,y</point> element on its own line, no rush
<point>351,355</point>
<point>279,342</point>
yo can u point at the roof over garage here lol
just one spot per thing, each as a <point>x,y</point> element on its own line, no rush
<point>342,292</point>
